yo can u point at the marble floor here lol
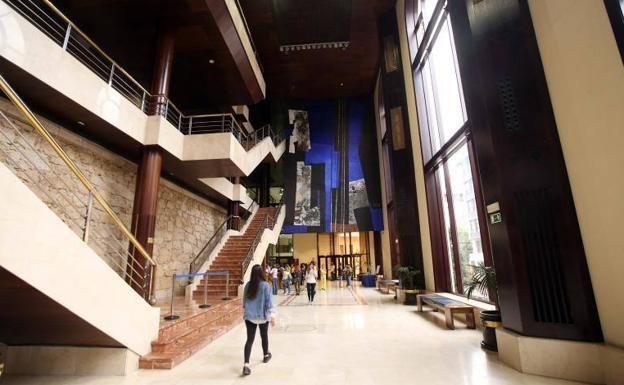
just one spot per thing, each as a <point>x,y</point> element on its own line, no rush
<point>348,336</point>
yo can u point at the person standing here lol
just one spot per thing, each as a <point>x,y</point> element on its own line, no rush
<point>286,279</point>
<point>274,279</point>
<point>258,313</point>
<point>348,275</point>
<point>311,277</point>
<point>323,284</point>
<point>303,272</point>
<point>296,277</point>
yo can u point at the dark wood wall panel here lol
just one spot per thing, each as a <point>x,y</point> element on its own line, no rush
<point>544,284</point>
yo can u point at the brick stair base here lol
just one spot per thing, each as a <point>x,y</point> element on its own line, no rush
<point>178,340</point>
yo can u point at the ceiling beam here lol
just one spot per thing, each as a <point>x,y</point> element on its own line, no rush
<point>231,25</point>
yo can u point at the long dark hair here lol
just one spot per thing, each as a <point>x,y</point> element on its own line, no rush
<point>257,276</point>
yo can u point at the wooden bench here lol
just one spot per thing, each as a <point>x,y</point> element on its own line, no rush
<point>387,284</point>
<point>449,306</point>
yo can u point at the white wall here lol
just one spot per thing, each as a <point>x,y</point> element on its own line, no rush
<point>50,253</point>
<point>585,77</point>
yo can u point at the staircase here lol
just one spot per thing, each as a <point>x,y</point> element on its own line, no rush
<point>232,256</point>
<point>196,328</point>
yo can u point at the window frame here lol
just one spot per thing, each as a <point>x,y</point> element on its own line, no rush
<point>434,160</point>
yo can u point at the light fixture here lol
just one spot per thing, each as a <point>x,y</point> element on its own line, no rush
<point>319,45</point>
<point>211,61</point>
<point>81,123</point>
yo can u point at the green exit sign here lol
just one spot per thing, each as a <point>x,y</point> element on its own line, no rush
<point>496,218</point>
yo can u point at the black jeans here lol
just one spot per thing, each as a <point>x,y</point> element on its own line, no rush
<point>311,290</point>
<point>251,335</point>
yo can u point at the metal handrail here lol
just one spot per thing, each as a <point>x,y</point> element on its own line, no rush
<point>91,42</point>
<point>72,39</point>
<point>41,130</point>
<point>194,265</point>
<point>267,223</point>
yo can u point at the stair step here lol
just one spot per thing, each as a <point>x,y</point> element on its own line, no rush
<point>181,339</point>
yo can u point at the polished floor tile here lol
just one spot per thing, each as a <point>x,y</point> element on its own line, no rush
<point>347,336</point>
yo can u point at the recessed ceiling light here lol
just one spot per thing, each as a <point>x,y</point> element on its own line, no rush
<point>81,123</point>
<point>341,84</point>
<point>211,61</point>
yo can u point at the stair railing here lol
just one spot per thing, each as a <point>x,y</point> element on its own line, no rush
<point>209,247</point>
<point>213,242</point>
<point>268,222</point>
<point>112,242</point>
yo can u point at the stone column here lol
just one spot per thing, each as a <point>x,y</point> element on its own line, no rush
<point>234,208</point>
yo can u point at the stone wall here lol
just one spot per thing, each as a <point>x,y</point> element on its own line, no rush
<point>184,221</point>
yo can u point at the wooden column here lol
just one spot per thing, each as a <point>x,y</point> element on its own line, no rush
<point>150,168</point>
<point>144,213</point>
<point>161,78</point>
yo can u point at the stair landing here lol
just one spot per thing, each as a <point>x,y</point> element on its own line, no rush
<point>195,329</point>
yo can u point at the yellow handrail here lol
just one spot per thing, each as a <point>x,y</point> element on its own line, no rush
<point>34,121</point>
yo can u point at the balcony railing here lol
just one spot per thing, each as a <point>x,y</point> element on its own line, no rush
<point>51,21</point>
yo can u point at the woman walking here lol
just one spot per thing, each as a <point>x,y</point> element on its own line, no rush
<point>259,311</point>
<point>311,277</point>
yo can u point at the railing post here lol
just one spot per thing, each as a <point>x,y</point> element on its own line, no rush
<point>227,286</point>
<point>223,123</point>
<point>67,35</point>
<point>180,121</point>
<point>143,101</point>
<point>190,132</point>
<point>205,305</point>
<point>172,316</point>
<point>153,269</point>
<point>112,73</point>
<point>85,234</point>
<point>166,107</point>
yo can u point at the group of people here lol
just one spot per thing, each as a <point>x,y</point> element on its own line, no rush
<point>341,273</point>
<point>259,310</point>
<point>284,277</point>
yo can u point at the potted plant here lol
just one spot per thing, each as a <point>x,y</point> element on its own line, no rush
<point>483,281</point>
<point>406,292</point>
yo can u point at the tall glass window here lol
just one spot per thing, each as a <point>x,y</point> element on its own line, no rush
<point>447,148</point>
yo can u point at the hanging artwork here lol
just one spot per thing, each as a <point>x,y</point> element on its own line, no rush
<point>301,129</point>
<point>331,171</point>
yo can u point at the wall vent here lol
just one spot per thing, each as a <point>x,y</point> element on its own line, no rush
<point>543,257</point>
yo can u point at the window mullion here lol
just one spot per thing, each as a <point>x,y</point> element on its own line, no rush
<point>449,197</point>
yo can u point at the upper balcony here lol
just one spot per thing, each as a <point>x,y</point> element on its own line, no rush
<point>66,75</point>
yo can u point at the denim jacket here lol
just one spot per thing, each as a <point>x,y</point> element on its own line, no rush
<point>261,307</point>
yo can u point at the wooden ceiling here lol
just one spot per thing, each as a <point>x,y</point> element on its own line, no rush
<point>128,30</point>
<point>322,73</point>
